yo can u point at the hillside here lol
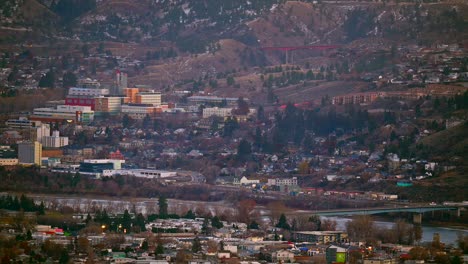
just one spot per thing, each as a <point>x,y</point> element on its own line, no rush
<point>212,40</point>
<point>450,143</point>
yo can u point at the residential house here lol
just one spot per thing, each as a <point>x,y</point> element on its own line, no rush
<point>282,256</point>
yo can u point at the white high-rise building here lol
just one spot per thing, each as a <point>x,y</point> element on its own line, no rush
<point>55,141</point>
<point>121,81</point>
<point>39,132</point>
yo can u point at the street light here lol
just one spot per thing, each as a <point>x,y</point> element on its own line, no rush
<point>103,227</point>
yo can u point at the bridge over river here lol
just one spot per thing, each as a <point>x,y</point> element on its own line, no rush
<point>416,210</point>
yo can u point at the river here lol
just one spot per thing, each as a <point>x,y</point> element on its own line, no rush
<point>145,206</point>
<point>447,235</point>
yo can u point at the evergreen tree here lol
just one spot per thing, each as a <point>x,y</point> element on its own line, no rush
<point>230,81</point>
<point>159,249</point>
<point>146,121</point>
<point>126,221</point>
<point>244,150</point>
<point>253,225</point>
<point>69,80</point>
<point>88,218</point>
<point>283,223</point>
<point>196,246</point>
<point>48,80</point>
<point>144,245</point>
<point>260,113</point>
<point>126,120</point>
<point>64,257</point>
<point>29,235</point>
<point>162,206</point>
<point>205,228</point>
<point>189,215</point>
<point>216,223</point>
<point>140,222</point>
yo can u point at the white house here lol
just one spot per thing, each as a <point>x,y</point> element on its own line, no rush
<point>245,181</point>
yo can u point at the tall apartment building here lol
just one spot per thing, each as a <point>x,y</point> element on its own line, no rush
<point>55,141</point>
<point>121,82</point>
<point>30,153</point>
<point>37,133</point>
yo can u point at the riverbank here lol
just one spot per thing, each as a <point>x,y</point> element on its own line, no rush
<point>451,225</point>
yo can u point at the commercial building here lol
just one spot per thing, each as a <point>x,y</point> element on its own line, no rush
<point>78,96</point>
<point>21,123</point>
<point>199,100</point>
<point>153,98</point>
<point>217,111</point>
<point>64,113</point>
<point>111,104</point>
<point>8,156</point>
<point>30,153</point>
<point>87,92</point>
<point>146,173</point>
<point>55,141</point>
<point>76,101</point>
<point>130,94</point>
<point>99,167</point>
<point>139,111</point>
<point>8,161</point>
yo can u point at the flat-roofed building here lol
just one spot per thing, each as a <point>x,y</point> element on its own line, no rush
<point>146,173</point>
<point>68,113</point>
<point>111,104</point>
<point>8,156</point>
<point>21,123</point>
<point>320,237</point>
<point>139,111</point>
<point>30,153</point>
<point>89,83</point>
<point>87,92</point>
<point>37,133</point>
<point>153,98</point>
<point>99,167</point>
<point>130,94</point>
<point>8,162</point>
<point>201,99</point>
<point>55,141</point>
<point>217,111</point>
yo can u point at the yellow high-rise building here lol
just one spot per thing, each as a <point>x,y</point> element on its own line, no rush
<point>30,153</point>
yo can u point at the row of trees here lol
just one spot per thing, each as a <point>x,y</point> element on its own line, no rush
<point>48,80</point>
<point>363,228</point>
<point>23,203</point>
